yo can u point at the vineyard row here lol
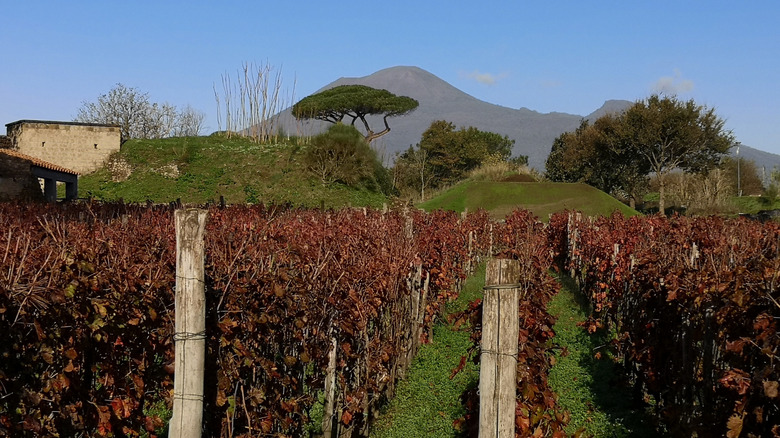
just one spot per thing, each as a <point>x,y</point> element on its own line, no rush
<point>86,309</point>
<point>86,312</point>
<point>694,306</point>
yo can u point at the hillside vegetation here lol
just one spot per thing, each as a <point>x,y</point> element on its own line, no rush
<point>201,169</point>
<point>542,199</point>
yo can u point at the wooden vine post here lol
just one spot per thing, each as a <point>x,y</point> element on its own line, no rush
<point>498,361</point>
<point>330,392</point>
<point>190,330</point>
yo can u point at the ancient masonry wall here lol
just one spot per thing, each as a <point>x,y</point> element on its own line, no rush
<point>16,180</point>
<point>83,148</point>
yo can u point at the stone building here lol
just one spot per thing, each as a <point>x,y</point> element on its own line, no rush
<point>80,147</point>
<point>20,177</point>
<point>39,154</point>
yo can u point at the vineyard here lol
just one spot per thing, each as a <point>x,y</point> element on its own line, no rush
<point>315,313</point>
<point>694,307</point>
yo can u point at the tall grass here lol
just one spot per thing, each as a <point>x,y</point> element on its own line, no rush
<point>502,170</point>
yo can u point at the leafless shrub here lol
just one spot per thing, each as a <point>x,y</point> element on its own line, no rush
<point>251,101</point>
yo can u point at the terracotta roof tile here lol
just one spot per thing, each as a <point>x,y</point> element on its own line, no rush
<point>37,161</point>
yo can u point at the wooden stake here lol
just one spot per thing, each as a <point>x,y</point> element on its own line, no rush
<point>190,335</point>
<point>471,253</point>
<point>421,311</point>
<point>490,249</point>
<point>330,392</point>
<point>498,367</point>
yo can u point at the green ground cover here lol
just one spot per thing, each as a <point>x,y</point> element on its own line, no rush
<point>201,169</point>
<point>586,378</point>
<point>428,401</point>
<point>542,199</point>
<point>754,204</point>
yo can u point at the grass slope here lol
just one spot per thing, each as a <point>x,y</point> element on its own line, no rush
<point>200,169</point>
<point>753,204</point>
<point>543,199</point>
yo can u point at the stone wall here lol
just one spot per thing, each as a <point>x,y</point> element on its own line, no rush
<point>16,180</point>
<point>77,146</point>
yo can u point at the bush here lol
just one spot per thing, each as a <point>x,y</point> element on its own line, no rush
<point>770,194</point>
<point>340,154</point>
<point>383,180</point>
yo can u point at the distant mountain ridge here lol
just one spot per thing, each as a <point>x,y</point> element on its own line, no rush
<point>532,131</point>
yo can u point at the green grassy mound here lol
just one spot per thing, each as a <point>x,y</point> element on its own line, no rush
<point>543,199</point>
<point>201,169</point>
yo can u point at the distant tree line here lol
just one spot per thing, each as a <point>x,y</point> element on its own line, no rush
<point>618,153</point>
<point>138,117</point>
<point>445,155</point>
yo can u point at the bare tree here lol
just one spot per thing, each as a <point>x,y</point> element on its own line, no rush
<point>123,106</point>
<point>189,122</point>
<point>159,121</point>
<point>700,193</point>
<point>252,101</point>
<point>137,117</point>
<point>419,161</point>
<point>412,171</point>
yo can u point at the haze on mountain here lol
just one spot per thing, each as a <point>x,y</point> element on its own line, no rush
<point>533,132</point>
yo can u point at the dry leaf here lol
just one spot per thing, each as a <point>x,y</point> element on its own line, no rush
<point>770,388</point>
<point>734,426</point>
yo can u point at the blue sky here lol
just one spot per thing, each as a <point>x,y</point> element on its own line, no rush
<point>563,56</point>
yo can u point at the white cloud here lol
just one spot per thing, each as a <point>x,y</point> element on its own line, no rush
<point>484,78</point>
<point>673,84</point>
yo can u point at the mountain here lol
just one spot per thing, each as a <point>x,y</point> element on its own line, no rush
<point>532,131</point>
<point>766,163</point>
<point>610,107</point>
